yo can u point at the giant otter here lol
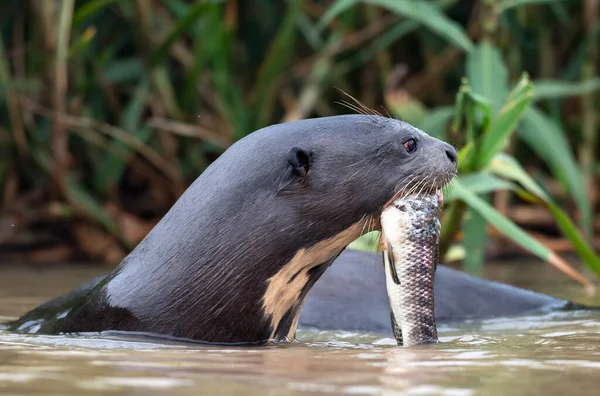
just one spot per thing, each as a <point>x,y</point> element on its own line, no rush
<point>235,257</point>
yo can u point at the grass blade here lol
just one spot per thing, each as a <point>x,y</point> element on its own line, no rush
<point>436,121</point>
<point>478,183</point>
<point>112,167</point>
<point>276,60</point>
<point>487,73</point>
<point>79,197</point>
<point>508,4</point>
<point>367,243</point>
<point>547,140</point>
<point>334,10</point>
<point>183,24</point>
<point>475,235</point>
<point>556,89</point>
<point>506,166</point>
<point>89,8</point>
<point>430,16</point>
<point>426,13</point>
<point>14,113</point>
<point>496,138</point>
<point>381,42</point>
<point>516,234</point>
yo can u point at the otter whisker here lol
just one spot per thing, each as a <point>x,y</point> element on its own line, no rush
<point>362,232</point>
<point>352,107</point>
<point>357,109</point>
<point>365,110</point>
<point>423,185</point>
<point>415,187</point>
<point>361,104</point>
<point>356,163</point>
<point>388,113</point>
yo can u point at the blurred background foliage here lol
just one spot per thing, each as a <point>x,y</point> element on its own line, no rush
<point>109,109</point>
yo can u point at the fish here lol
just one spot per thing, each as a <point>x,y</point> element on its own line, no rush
<point>410,239</point>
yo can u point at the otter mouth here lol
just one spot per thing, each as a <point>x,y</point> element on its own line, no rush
<point>425,187</point>
<point>402,194</point>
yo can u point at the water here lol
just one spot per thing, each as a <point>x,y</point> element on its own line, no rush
<point>553,354</point>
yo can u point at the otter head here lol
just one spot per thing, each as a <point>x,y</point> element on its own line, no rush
<point>357,165</point>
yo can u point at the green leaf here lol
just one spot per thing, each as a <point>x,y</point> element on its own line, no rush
<point>502,127</point>
<point>482,103</point>
<point>459,105</point>
<point>508,4</point>
<point>487,73</point>
<point>89,8</point>
<point>366,52</point>
<point>190,87</point>
<point>470,116</point>
<point>503,224</point>
<point>227,93</point>
<point>435,121</point>
<point>123,70</point>
<point>549,142</point>
<point>582,248</point>
<point>478,183</point>
<point>112,167</point>
<point>4,164</point>
<point>336,9</point>
<point>161,53</point>
<point>367,243</point>
<point>81,42</point>
<point>426,13</point>
<point>179,8</point>
<point>508,167</point>
<point>475,235</point>
<point>411,110</point>
<point>514,232</point>
<point>310,33</point>
<point>88,204</point>
<point>556,89</point>
<point>276,61</point>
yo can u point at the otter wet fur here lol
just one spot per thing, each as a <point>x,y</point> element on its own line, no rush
<point>234,258</point>
<point>410,232</point>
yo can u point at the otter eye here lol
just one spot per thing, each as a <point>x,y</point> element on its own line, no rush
<point>410,145</point>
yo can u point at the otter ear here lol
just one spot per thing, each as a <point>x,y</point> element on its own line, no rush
<point>300,160</point>
<point>296,175</point>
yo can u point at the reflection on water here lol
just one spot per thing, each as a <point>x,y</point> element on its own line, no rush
<point>553,354</point>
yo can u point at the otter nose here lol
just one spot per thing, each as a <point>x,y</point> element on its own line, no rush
<point>451,154</point>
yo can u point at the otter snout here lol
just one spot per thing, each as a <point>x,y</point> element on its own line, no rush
<point>440,163</point>
<point>446,153</point>
<point>450,153</point>
<point>445,156</point>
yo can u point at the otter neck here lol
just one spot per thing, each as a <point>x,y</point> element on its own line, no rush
<point>287,289</point>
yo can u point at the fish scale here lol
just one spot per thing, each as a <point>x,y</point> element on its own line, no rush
<point>410,232</point>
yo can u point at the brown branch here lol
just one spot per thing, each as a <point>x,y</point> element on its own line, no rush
<point>189,130</point>
<point>86,123</point>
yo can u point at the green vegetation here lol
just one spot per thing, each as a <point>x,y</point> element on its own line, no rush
<point>108,109</point>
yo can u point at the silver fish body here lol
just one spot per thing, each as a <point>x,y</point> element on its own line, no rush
<point>410,232</point>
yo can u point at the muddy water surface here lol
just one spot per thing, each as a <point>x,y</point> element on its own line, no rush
<point>550,354</point>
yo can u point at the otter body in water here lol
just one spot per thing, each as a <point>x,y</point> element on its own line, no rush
<point>351,296</point>
<point>235,257</point>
